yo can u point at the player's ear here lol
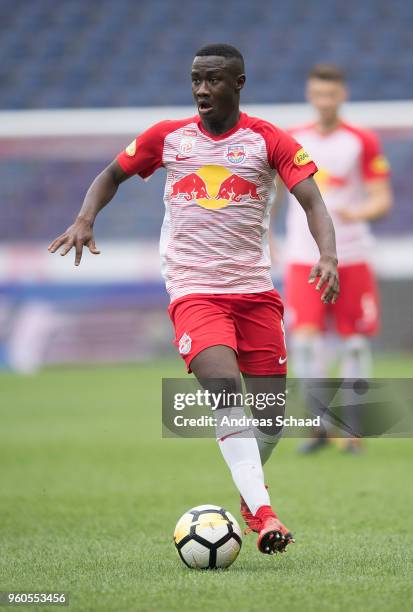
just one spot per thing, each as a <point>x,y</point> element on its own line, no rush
<point>240,82</point>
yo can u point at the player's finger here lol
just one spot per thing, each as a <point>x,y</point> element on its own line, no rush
<point>327,295</point>
<point>336,291</point>
<point>331,291</point>
<point>92,248</point>
<point>67,245</point>
<point>79,251</point>
<point>323,279</point>
<point>315,272</point>
<point>53,246</point>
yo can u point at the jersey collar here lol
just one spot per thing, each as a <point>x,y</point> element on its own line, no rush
<point>241,120</point>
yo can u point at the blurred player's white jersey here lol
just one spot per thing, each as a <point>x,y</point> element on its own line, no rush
<point>347,158</point>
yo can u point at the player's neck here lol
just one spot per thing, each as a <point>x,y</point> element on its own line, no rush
<point>216,128</point>
<point>326,126</point>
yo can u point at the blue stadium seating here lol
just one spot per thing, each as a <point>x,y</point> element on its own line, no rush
<point>103,53</point>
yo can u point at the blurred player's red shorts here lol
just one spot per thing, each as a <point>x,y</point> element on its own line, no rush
<point>357,310</point>
<point>250,323</point>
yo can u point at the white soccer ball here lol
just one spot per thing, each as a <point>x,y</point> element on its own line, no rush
<point>207,537</point>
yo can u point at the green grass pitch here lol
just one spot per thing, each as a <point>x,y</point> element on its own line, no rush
<point>90,494</point>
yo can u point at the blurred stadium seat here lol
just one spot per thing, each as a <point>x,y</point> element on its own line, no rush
<point>104,53</point>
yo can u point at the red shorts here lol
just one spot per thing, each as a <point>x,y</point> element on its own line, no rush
<point>357,310</point>
<point>250,323</point>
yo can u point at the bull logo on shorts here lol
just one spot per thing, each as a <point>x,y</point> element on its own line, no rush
<point>185,344</point>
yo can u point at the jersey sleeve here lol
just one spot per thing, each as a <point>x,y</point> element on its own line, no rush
<point>373,163</point>
<point>287,156</point>
<point>144,154</point>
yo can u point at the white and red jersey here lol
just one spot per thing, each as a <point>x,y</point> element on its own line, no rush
<point>214,237</point>
<point>347,158</point>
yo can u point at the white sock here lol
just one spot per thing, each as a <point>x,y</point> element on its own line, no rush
<point>240,451</point>
<point>356,360</point>
<point>308,353</point>
<point>309,359</point>
<point>356,363</point>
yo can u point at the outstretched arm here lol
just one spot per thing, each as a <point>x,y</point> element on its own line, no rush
<point>322,230</point>
<point>100,193</point>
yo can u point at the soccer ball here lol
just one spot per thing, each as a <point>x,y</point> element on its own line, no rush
<point>207,537</point>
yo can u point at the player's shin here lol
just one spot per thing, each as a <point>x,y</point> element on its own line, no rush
<point>266,443</point>
<point>268,410</point>
<point>309,355</point>
<point>356,363</point>
<point>356,357</point>
<point>309,358</point>
<point>240,451</point>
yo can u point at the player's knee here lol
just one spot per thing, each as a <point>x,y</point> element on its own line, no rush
<point>270,423</point>
<point>270,418</point>
<point>225,388</point>
<point>228,383</point>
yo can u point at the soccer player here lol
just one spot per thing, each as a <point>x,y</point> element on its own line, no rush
<point>353,178</point>
<point>221,165</point>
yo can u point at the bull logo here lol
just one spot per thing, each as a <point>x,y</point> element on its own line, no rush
<point>327,181</point>
<point>185,344</point>
<point>236,153</point>
<point>214,187</point>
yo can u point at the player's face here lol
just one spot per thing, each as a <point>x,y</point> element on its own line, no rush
<point>216,84</point>
<point>326,97</point>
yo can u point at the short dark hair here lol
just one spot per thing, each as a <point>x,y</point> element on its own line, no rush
<point>221,50</point>
<point>327,72</point>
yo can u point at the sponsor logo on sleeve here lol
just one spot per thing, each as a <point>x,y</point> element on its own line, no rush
<point>379,165</point>
<point>301,158</point>
<point>131,149</point>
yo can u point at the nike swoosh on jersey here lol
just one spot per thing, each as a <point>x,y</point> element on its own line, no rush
<point>282,360</point>
<point>179,158</point>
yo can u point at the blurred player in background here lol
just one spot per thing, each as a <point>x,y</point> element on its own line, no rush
<point>227,315</point>
<point>353,178</point>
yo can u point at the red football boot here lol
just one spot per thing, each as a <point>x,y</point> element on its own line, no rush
<point>273,535</point>
<point>253,523</point>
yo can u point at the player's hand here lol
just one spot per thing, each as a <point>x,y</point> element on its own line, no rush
<point>326,271</point>
<point>76,236</point>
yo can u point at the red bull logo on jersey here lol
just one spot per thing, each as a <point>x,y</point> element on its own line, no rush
<point>236,153</point>
<point>327,181</point>
<point>214,187</point>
